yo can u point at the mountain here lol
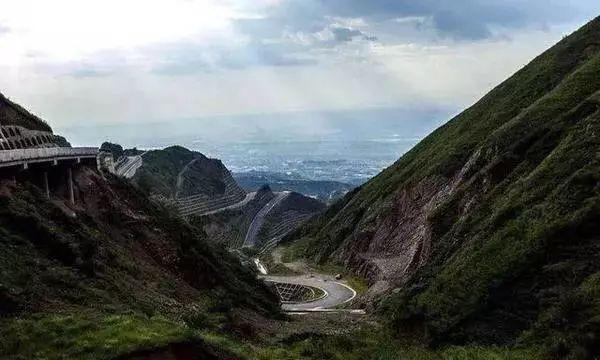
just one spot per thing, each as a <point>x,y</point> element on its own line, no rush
<point>325,191</point>
<point>112,262</point>
<point>20,129</point>
<point>288,214</point>
<point>176,172</point>
<point>487,231</point>
<point>183,179</point>
<point>230,227</point>
<point>111,274</point>
<point>13,114</point>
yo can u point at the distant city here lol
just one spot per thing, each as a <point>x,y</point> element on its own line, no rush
<point>351,162</point>
<point>344,146</point>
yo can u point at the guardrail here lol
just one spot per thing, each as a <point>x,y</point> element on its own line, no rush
<point>14,157</point>
<point>297,293</point>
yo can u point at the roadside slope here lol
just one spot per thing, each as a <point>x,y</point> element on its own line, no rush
<point>115,268</point>
<point>488,227</point>
<point>176,172</point>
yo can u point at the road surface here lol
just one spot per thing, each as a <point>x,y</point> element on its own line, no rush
<point>249,197</point>
<point>130,166</point>
<point>337,292</point>
<point>180,177</point>
<point>259,218</point>
<point>24,157</point>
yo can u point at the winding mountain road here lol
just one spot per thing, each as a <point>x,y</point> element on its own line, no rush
<point>180,177</point>
<point>130,166</point>
<point>337,292</point>
<point>249,197</point>
<point>259,219</point>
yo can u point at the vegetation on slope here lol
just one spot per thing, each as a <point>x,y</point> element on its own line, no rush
<point>367,342</point>
<point>115,149</point>
<point>229,227</point>
<point>118,260</point>
<point>325,191</point>
<point>14,114</point>
<point>161,170</point>
<point>514,244</point>
<point>290,213</point>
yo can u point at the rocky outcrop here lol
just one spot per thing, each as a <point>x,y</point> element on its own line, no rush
<point>401,242</point>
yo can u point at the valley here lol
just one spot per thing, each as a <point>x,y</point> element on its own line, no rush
<point>480,242</point>
<point>323,190</point>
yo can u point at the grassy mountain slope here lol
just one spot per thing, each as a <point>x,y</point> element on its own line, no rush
<point>229,227</point>
<point>489,226</point>
<point>326,191</point>
<point>289,214</point>
<point>111,275</point>
<point>177,171</point>
<point>14,114</point>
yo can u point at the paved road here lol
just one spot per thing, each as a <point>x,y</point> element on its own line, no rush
<point>337,292</point>
<point>249,197</point>
<point>41,155</point>
<point>259,219</point>
<point>180,177</point>
<point>130,166</point>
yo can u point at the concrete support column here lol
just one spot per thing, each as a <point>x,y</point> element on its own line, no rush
<point>70,185</point>
<point>46,185</point>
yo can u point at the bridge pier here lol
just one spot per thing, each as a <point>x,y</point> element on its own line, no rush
<point>70,185</point>
<point>46,185</point>
<point>47,167</point>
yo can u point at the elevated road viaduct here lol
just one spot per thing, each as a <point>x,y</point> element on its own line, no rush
<point>47,167</point>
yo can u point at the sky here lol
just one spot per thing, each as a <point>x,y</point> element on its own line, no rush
<point>111,63</point>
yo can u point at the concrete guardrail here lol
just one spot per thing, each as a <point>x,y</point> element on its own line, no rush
<point>15,157</point>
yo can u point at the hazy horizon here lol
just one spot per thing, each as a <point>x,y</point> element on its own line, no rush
<point>269,82</point>
<point>215,59</point>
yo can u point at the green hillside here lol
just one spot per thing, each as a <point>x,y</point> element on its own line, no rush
<point>111,275</point>
<point>14,114</point>
<point>489,226</point>
<point>177,171</point>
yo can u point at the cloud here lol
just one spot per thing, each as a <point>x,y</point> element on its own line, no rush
<point>300,32</point>
<point>193,58</point>
<point>346,34</point>
<point>465,19</point>
<point>246,34</point>
<point>188,58</point>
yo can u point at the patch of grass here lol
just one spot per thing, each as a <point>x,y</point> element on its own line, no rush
<point>569,329</point>
<point>281,270</point>
<point>330,269</point>
<point>100,336</point>
<point>319,293</point>
<point>359,284</point>
<point>87,335</point>
<point>370,344</point>
<point>275,268</point>
<point>14,114</point>
<point>230,344</point>
<point>294,251</point>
